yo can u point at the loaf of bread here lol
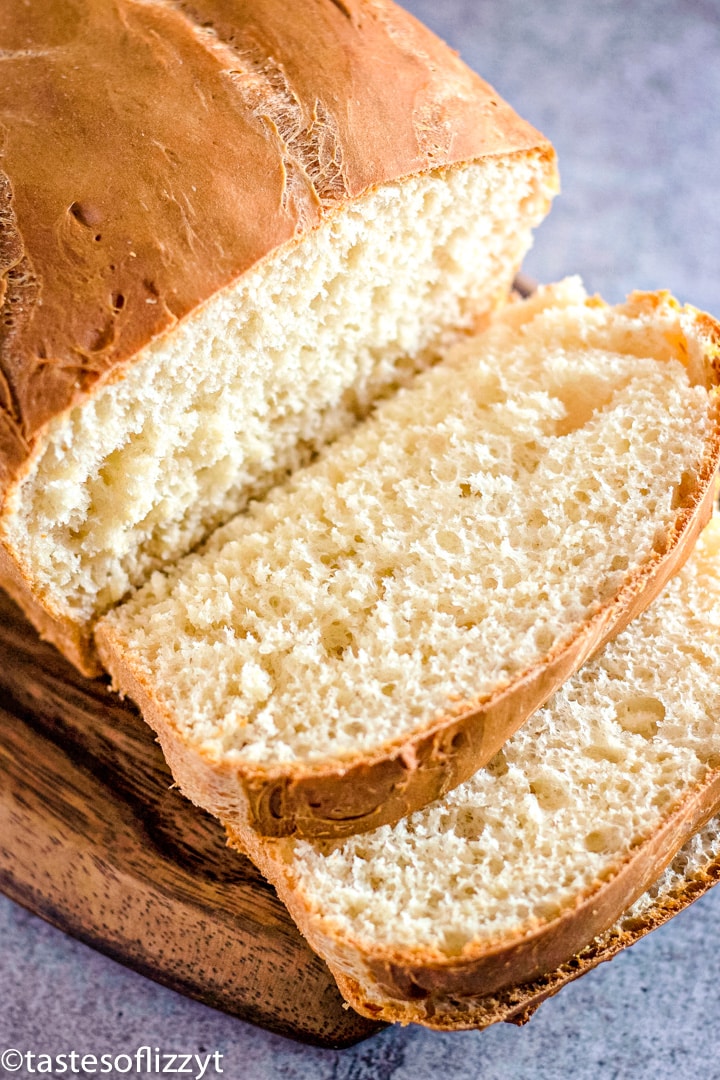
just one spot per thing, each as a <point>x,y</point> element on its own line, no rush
<point>446,917</point>
<point>226,228</point>
<point>366,637</point>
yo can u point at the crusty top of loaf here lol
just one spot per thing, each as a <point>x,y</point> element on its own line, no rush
<point>153,151</point>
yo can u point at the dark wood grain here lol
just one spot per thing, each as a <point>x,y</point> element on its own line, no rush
<point>94,839</point>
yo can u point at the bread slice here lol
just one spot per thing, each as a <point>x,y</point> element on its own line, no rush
<point>446,917</point>
<point>369,635</point>
<point>192,299</point>
<point>693,871</point>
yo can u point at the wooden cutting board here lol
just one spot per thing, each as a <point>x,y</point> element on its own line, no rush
<point>94,839</point>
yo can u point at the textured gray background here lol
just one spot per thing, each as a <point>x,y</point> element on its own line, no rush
<point>629,94</point>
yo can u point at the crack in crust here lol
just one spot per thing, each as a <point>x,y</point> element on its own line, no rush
<point>311,152</point>
<point>310,147</point>
<point>11,245</point>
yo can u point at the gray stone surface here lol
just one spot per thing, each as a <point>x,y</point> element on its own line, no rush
<point>629,93</point>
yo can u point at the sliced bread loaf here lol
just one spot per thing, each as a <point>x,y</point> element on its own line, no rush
<point>440,918</point>
<point>364,639</point>
<point>224,231</point>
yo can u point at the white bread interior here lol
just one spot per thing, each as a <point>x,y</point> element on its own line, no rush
<point>247,387</point>
<point>581,784</point>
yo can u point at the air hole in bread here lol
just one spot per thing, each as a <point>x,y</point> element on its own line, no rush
<point>641,715</point>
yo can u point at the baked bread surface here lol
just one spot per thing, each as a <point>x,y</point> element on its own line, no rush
<point>182,137</point>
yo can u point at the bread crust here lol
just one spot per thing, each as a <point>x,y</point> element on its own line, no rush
<point>505,979</point>
<point>120,214</point>
<point>338,798</point>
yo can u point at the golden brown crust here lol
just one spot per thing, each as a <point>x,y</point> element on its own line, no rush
<point>336,799</point>
<point>128,201</point>
<point>496,980</point>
